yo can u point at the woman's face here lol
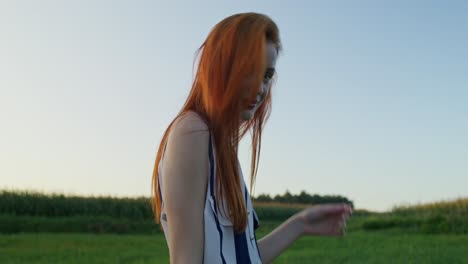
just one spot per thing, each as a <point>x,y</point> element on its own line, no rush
<point>252,104</point>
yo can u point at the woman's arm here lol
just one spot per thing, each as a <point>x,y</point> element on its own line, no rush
<point>322,220</point>
<point>273,244</point>
<point>184,181</point>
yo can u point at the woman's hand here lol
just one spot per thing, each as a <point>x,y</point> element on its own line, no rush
<point>324,220</point>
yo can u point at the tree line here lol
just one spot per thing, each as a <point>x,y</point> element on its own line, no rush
<point>303,198</point>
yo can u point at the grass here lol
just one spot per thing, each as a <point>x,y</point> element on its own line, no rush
<point>82,248</point>
<point>379,247</point>
<point>36,228</point>
<point>356,247</point>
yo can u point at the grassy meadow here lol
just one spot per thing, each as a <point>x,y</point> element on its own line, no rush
<point>38,228</point>
<point>356,247</point>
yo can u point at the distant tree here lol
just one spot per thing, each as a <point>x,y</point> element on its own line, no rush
<point>303,198</point>
<point>263,198</point>
<point>278,198</point>
<point>287,197</point>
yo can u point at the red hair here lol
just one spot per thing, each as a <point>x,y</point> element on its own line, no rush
<point>231,64</point>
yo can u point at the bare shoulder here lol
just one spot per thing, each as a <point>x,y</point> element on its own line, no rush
<point>189,122</point>
<point>187,147</point>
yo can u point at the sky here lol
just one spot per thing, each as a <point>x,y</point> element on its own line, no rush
<point>370,102</point>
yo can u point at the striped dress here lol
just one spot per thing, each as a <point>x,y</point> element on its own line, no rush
<point>222,245</point>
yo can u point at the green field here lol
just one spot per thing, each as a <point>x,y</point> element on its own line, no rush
<point>356,247</point>
<point>41,228</point>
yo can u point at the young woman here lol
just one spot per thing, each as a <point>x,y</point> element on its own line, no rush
<point>199,195</point>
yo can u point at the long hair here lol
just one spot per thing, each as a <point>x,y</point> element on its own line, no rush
<point>231,64</point>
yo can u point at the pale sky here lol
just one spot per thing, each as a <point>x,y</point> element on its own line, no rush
<point>371,100</point>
